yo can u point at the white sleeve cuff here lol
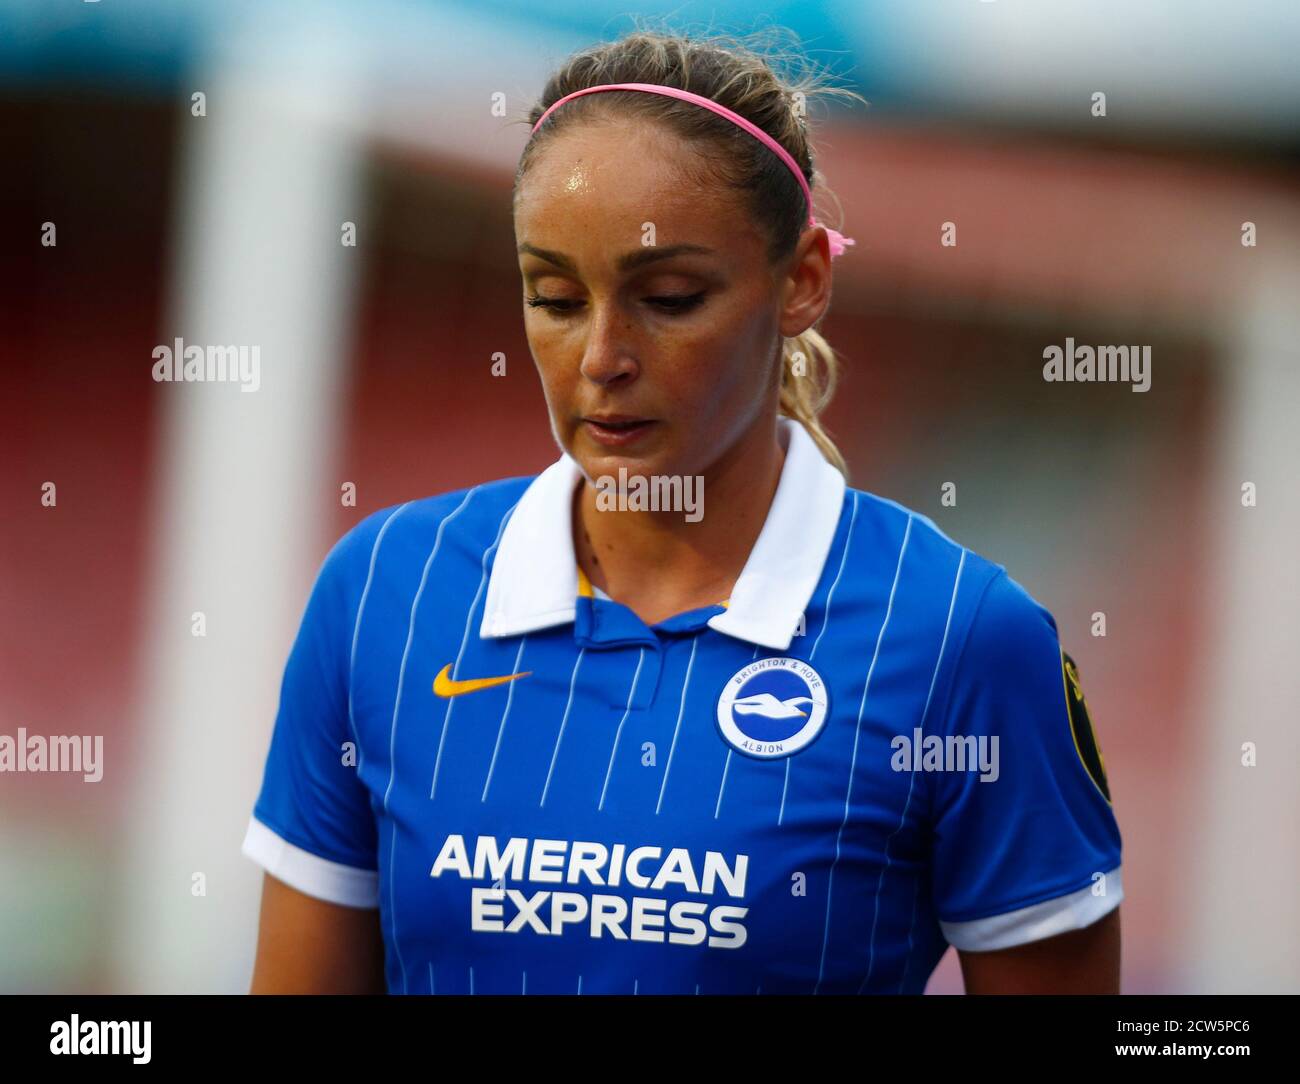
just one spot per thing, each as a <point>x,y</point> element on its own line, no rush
<point>1039,920</point>
<point>333,882</point>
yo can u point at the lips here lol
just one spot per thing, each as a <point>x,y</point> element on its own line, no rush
<point>616,429</point>
<point>616,421</point>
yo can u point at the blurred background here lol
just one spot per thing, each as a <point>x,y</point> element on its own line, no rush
<point>196,164</point>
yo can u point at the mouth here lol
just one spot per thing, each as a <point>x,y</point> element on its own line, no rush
<point>616,430</point>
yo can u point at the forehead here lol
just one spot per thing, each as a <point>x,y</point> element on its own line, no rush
<point>603,173</point>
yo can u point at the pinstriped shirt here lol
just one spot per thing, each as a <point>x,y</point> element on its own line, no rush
<point>875,748</point>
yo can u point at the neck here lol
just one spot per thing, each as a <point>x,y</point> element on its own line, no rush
<point>704,558</point>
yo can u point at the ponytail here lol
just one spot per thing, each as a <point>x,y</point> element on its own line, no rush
<point>810,371</point>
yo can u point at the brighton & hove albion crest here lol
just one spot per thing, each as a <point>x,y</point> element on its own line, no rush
<point>772,708</point>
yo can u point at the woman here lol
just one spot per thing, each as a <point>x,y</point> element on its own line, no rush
<point>568,739</point>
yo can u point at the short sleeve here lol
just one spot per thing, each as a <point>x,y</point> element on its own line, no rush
<point>312,824</point>
<point>1026,846</point>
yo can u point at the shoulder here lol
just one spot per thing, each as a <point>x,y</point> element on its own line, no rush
<point>461,522</point>
<point>925,554</point>
<point>969,600</point>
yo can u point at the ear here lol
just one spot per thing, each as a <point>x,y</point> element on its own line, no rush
<point>807,283</point>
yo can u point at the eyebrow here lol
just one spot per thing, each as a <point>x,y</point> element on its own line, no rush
<point>627,262</point>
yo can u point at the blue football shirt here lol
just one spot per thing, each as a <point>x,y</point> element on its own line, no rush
<point>875,748</point>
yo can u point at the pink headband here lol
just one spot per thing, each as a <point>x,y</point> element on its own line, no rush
<point>838,241</point>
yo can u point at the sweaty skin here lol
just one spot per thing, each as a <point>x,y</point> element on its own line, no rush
<point>708,376</point>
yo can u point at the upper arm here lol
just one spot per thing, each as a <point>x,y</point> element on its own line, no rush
<point>1078,962</point>
<point>313,828</point>
<point>1026,858</point>
<point>310,946</point>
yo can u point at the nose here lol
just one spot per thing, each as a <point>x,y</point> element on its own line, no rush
<point>609,353</point>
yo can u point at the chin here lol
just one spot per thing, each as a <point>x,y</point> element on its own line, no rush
<point>597,458</point>
<point>606,461</point>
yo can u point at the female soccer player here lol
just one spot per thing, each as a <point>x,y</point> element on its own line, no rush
<point>586,732</point>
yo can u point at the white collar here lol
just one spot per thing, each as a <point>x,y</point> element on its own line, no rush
<point>534,581</point>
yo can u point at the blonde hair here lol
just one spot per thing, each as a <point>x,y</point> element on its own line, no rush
<point>738,73</point>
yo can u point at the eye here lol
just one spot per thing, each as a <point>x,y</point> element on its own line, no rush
<point>555,304</point>
<point>677,303</point>
<point>669,303</point>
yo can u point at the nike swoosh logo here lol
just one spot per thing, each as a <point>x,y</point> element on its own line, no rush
<point>443,685</point>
